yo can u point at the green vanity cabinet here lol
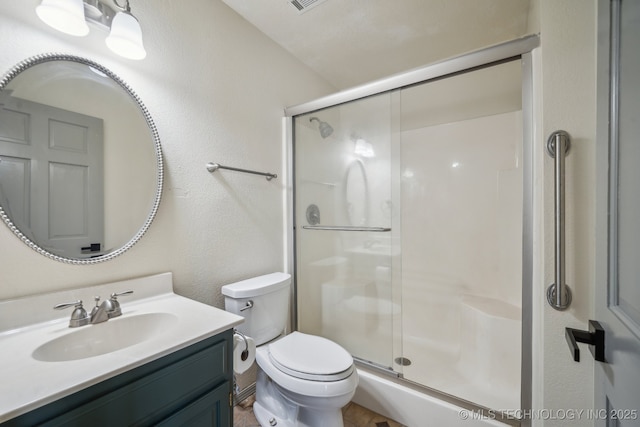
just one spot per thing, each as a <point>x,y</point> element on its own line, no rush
<point>191,387</point>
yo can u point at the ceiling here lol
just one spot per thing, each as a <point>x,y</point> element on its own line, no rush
<point>351,42</point>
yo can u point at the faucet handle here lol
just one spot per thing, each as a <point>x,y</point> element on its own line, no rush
<point>116,295</point>
<point>79,316</point>
<point>115,305</point>
<point>64,305</point>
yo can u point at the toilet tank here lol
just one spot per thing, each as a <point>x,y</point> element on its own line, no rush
<point>263,302</point>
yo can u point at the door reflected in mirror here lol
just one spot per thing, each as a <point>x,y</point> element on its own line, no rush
<point>80,159</point>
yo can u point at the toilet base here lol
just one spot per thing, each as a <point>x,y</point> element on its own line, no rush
<point>273,409</point>
<point>305,418</point>
<point>267,419</point>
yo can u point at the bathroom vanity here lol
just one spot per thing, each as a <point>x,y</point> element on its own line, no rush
<point>166,361</point>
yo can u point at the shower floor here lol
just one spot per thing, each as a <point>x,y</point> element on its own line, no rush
<point>445,375</point>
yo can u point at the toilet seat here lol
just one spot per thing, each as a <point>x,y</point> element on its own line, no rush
<point>311,357</point>
<point>289,384</point>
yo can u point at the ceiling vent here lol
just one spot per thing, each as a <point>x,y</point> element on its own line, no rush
<point>304,5</point>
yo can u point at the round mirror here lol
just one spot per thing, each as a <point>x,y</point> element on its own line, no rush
<point>80,159</point>
<point>356,194</point>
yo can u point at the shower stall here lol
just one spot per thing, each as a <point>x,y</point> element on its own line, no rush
<point>411,226</point>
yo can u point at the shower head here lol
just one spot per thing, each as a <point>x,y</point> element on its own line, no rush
<point>324,127</point>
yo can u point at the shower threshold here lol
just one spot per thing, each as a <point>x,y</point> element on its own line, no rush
<point>380,382</point>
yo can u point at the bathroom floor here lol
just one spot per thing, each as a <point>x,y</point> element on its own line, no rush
<point>354,416</point>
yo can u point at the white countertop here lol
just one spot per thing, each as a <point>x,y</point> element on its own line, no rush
<point>27,383</point>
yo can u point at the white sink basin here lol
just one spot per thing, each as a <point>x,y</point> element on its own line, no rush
<point>43,360</point>
<point>106,337</point>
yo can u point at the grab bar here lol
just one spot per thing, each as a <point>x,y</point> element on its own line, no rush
<point>212,167</point>
<point>558,293</point>
<point>345,228</point>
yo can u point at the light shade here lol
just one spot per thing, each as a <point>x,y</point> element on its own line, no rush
<point>64,15</point>
<point>364,148</point>
<point>125,38</point>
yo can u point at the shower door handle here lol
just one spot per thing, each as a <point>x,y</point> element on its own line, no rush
<point>558,293</point>
<point>346,228</point>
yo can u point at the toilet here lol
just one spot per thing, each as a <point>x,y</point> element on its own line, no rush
<point>303,380</point>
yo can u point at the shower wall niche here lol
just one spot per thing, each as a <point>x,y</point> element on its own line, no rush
<point>413,262</point>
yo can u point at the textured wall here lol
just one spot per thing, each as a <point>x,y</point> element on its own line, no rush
<point>566,92</point>
<point>216,88</point>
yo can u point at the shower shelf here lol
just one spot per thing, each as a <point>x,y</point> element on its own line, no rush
<point>346,228</point>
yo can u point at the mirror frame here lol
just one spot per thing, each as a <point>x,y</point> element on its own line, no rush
<point>356,166</point>
<point>50,57</point>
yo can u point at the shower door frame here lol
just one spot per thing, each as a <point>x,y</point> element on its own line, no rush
<point>518,49</point>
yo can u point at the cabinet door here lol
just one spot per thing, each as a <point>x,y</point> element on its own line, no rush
<point>147,394</point>
<point>211,410</point>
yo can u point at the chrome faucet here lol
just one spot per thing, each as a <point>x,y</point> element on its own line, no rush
<point>100,313</point>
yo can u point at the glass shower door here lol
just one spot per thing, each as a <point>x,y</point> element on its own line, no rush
<point>462,208</point>
<point>344,235</point>
<point>409,210</point>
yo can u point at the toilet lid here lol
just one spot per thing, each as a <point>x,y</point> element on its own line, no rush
<point>311,357</point>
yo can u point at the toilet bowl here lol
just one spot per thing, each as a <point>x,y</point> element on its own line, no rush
<point>303,380</point>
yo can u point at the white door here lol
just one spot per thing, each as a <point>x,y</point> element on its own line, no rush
<point>617,382</point>
<point>51,168</point>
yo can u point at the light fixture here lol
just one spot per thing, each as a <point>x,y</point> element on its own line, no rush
<point>364,148</point>
<point>64,15</point>
<point>71,17</point>
<point>125,37</point>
